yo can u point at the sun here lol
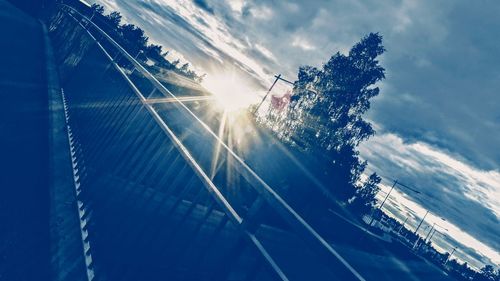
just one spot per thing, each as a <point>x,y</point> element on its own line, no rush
<point>232,93</point>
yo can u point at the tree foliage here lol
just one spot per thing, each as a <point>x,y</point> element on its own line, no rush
<point>97,8</point>
<point>325,115</point>
<point>364,200</point>
<point>488,273</point>
<point>114,19</point>
<point>134,37</point>
<point>135,41</point>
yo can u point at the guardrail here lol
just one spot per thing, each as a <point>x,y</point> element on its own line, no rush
<point>266,194</point>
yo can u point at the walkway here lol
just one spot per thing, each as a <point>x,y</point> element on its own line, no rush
<point>23,148</point>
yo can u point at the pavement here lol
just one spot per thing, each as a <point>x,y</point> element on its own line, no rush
<point>24,192</point>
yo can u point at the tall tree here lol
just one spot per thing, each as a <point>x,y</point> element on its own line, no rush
<point>155,52</point>
<point>184,67</point>
<point>325,115</point>
<point>134,37</point>
<point>176,62</point>
<point>114,19</point>
<point>97,8</point>
<point>488,273</point>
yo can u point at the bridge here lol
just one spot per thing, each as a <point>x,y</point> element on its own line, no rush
<point>142,185</point>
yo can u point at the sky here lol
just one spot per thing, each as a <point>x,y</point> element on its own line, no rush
<point>438,114</point>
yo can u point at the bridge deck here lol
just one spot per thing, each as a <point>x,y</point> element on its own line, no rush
<point>24,192</point>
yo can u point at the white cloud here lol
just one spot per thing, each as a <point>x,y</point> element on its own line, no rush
<point>263,50</point>
<point>236,5</point>
<point>302,43</point>
<point>439,176</point>
<point>261,12</point>
<point>482,186</point>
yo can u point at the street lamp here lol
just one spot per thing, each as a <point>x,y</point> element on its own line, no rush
<point>420,224</point>
<point>449,257</point>
<point>402,225</point>
<point>389,193</point>
<point>434,226</point>
<point>428,233</point>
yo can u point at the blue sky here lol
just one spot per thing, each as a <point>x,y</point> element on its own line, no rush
<point>438,114</point>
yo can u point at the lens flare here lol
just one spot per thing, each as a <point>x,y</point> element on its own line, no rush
<point>232,93</point>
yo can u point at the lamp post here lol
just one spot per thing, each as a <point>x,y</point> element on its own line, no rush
<point>383,202</point>
<point>389,193</point>
<point>429,233</point>
<point>432,234</point>
<point>435,229</point>
<point>416,230</point>
<point>401,227</point>
<point>451,254</point>
<point>420,224</point>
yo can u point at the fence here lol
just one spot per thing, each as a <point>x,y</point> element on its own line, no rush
<point>151,203</point>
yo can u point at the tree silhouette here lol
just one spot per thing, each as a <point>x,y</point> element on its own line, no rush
<point>365,200</point>
<point>97,8</point>
<point>184,67</point>
<point>326,109</point>
<point>114,19</point>
<point>488,273</point>
<point>176,62</point>
<point>134,37</point>
<point>154,52</point>
<point>134,40</point>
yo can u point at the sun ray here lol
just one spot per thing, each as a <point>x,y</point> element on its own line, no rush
<point>220,133</point>
<point>182,99</point>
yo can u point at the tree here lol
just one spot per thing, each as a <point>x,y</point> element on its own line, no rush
<point>365,200</point>
<point>97,8</point>
<point>114,19</point>
<point>135,42</point>
<point>200,78</point>
<point>176,62</point>
<point>325,113</point>
<point>184,67</point>
<point>488,273</point>
<point>134,37</point>
<point>154,52</point>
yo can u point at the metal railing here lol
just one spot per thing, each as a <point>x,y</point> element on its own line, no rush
<point>265,194</point>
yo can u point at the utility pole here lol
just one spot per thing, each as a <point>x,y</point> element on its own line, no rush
<point>383,202</point>
<point>435,229</point>
<point>420,224</point>
<point>268,91</point>
<point>432,235</point>
<point>278,77</point>
<point>429,233</point>
<point>401,227</point>
<point>451,254</point>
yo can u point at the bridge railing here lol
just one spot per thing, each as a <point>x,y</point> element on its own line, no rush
<point>255,208</point>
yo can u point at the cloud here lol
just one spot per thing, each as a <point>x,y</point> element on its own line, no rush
<point>204,5</point>
<point>236,5</point>
<point>268,54</point>
<point>467,196</point>
<point>261,12</point>
<point>302,43</point>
